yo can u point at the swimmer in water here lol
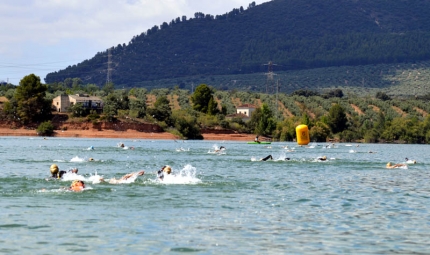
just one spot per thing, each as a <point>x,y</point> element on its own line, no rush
<point>123,178</point>
<point>389,165</point>
<point>57,174</point>
<point>267,158</point>
<point>220,149</point>
<point>323,158</point>
<point>410,161</point>
<point>164,170</point>
<point>77,185</point>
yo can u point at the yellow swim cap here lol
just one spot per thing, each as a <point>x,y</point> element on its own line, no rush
<point>389,164</point>
<point>54,169</point>
<point>167,169</point>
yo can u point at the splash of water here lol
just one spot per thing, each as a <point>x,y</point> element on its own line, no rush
<point>94,179</point>
<point>186,175</point>
<point>77,159</point>
<point>217,150</point>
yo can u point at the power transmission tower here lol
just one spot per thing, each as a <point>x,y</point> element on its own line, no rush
<point>109,68</point>
<point>269,74</point>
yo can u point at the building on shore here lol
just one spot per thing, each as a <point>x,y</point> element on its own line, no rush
<point>243,111</point>
<point>64,102</point>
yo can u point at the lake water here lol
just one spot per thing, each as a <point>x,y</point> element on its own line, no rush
<point>213,203</point>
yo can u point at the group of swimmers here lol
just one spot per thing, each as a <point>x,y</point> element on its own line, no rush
<point>78,185</point>
<point>324,158</point>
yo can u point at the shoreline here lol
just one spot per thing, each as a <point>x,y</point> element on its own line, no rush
<point>128,134</point>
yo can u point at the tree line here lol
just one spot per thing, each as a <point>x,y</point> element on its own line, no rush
<point>329,116</point>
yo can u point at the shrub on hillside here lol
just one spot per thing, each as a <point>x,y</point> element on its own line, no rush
<point>45,129</point>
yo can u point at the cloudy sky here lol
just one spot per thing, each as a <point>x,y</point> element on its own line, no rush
<point>42,36</point>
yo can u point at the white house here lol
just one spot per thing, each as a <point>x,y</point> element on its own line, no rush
<point>63,102</point>
<point>246,109</point>
<point>243,111</point>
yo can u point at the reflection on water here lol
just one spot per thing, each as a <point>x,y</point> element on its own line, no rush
<point>213,203</point>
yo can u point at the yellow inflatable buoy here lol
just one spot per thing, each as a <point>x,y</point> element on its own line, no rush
<point>302,133</point>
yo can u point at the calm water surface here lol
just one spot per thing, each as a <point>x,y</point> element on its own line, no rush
<point>214,204</point>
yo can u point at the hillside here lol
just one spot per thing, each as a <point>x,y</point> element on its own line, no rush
<point>294,34</point>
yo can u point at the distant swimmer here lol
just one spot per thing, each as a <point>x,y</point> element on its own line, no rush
<point>267,158</point>
<point>90,159</point>
<point>323,158</point>
<point>124,178</point>
<point>410,161</point>
<point>164,170</point>
<point>220,149</point>
<point>256,139</point>
<point>390,165</point>
<point>57,174</point>
<point>77,185</point>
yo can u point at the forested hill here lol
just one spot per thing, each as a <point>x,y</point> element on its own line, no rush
<point>294,34</point>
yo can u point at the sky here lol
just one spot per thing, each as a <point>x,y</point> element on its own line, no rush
<point>43,36</point>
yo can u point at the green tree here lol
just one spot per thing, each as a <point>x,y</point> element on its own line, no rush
<point>382,96</point>
<point>319,132</point>
<point>30,98</point>
<point>10,109</point>
<point>187,125</point>
<point>45,128</point>
<point>161,110</point>
<point>137,108</point>
<point>201,98</point>
<point>109,88</point>
<point>110,107</point>
<point>285,131</point>
<point>337,118</point>
<point>212,107</point>
<point>78,110</point>
<point>305,120</point>
<point>266,123</point>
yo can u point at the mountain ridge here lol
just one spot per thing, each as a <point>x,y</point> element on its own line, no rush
<point>295,34</point>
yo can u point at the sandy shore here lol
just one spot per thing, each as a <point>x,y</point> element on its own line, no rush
<point>129,134</point>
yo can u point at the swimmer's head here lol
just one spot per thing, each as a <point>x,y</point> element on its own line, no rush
<point>389,164</point>
<point>324,158</point>
<point>77,185</point>
<point>54,169</point>
<point>90,159</point>
<point>167,169</point>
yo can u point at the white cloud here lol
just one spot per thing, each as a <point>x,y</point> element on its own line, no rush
<point>42,31</point>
